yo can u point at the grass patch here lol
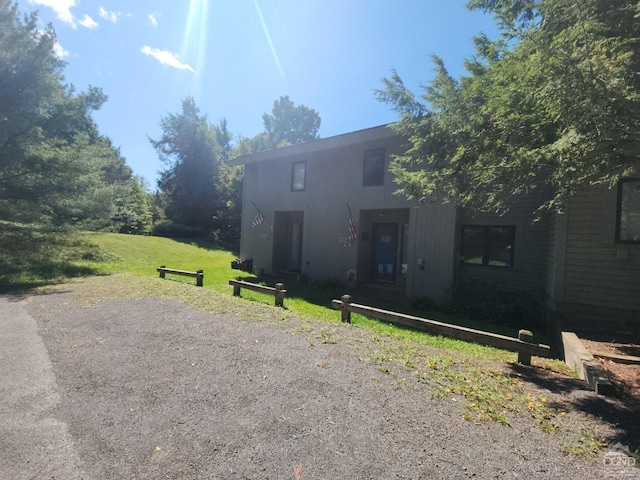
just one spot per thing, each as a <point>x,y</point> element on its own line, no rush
<point>587,444</point>
<point>141,255</point>
<point>438,341</point>
<point>32,256</point>
<point>483,388</point>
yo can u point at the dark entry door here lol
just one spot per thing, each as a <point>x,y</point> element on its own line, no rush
<point>288,241</point>
<point>385,251</point>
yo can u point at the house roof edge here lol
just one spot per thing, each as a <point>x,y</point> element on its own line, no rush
<point>358,136</point>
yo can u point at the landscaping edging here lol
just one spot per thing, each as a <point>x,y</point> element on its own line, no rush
<point>627,359</point>
<point>581,360</point>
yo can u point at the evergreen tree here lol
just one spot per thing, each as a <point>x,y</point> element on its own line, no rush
<point>553,105</point>
<point>133,213</point>
<point>190,148</point>
<point>54,164</point>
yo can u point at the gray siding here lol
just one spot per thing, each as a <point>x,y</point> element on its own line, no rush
<point>556,258</point>
<point>598,272</point>
<point>531,247</point>
<point>433,228</point>
<point>334,177</point>
<point>552,258</point>
<point>571,258</point>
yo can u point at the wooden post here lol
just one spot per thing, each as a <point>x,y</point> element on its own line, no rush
<point>346,314</point>
<point>236,289</point>
<point>199,278</point>
<point>162,271</point>
<point>523,357</point>
<point>279,294</point>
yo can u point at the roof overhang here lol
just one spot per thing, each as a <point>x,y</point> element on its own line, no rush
<point>346,139</point>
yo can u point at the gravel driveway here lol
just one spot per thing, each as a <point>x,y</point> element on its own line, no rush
<point>154,389</point>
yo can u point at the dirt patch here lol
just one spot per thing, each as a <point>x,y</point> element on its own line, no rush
<point>626,375</point>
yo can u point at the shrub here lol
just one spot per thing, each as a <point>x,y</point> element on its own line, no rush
<point>425,303</point>
<point>493,301</point>
<point>330,284</point>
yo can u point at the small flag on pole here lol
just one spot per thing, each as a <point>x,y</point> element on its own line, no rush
<point>352,228</point>
<point>258,219</point>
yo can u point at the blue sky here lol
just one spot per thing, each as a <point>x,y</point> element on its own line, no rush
<point>235,57</point>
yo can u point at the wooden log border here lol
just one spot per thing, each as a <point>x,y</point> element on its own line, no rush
<point>198,274</point>
<point>278,291</point>
<point>523,345</point>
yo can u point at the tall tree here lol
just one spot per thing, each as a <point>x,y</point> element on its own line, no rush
<point>228,215</point>
<point>133,212</point>
<point>553,105</point>
<point>52,158</point>
<point>289,124</point>
<point>191,149</point>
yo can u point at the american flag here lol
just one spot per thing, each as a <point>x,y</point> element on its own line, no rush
<point>352,229</point>
<point>258,219</point>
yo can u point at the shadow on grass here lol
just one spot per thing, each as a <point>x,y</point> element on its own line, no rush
<point>208,244</point>
<point>622,414</point>
<point>31,257</point>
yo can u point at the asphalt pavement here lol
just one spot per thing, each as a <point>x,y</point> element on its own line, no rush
<point>33,443</point>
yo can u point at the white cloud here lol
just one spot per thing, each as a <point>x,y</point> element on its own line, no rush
<point>153,19</point>
<point>88,22</point>
<point>62,8</point>
<point>60,51</point>
<point>108,15</point>
<point>166,58</point>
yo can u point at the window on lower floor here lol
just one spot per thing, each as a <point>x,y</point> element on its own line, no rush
<point>628,214</point>
<point>488,245</point>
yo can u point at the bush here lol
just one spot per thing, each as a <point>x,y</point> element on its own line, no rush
<point>330,284</point>
<point>425,303</point>
<point>492,301</point>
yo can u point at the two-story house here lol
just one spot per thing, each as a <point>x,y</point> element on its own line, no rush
<point>302,203</point>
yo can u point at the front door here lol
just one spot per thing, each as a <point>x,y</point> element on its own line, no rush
<point>288,241</point>
<point>384,258</point>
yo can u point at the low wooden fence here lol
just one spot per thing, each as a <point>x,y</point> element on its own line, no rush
<point>523,344</point>
<point>199,274</point>
<point>278,291</point>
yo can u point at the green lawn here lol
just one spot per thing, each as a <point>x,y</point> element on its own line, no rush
<point>142,255</point>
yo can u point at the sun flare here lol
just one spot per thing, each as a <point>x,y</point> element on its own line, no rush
<point>269,40</point>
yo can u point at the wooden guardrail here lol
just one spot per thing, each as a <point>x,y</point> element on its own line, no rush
<point>278,291</point>
<point>523,344</point>
<point>199,274</point>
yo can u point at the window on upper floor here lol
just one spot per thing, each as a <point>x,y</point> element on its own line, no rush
<point>628,213</point>
<point>298,173</point>
<point>373,168</point>
<point>489,245</point>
